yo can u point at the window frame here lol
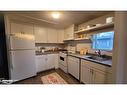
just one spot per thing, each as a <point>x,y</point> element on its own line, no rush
<point>94,47</point>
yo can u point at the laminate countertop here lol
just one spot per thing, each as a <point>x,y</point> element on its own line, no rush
<point>85,57</point>
<point>49,52</point>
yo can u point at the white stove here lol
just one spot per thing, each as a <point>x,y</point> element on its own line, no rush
<point>63,61</point>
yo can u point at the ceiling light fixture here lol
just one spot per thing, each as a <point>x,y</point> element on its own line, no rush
<point>56,15</point>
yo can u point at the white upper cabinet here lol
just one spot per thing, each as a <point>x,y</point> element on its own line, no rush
<point>45,35</point>
<point>40,34</point>
<point>52,35</point>
<point>21,28</point>
<point>60,35</point>
<point>16,28</point>
<point>28,29</point>
<point>69,33</point>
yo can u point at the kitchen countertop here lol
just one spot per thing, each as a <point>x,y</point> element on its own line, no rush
<point>47,52</point>
<point>106,63</point>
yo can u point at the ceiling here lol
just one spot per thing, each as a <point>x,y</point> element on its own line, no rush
<point>66,17</point>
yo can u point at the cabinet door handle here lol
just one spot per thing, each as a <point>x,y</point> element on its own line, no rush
<point>11,60</point>
<point>12,35</point>
<point>22,32</point>
<point>92,72</point>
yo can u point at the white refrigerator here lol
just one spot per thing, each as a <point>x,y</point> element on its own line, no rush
<point>22,57</point>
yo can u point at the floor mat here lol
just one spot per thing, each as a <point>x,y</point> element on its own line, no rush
<point>53,78</point>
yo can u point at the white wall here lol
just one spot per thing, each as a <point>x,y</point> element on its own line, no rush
<point>120,48</point>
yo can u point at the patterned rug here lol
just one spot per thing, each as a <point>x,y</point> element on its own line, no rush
<point>53,78</point>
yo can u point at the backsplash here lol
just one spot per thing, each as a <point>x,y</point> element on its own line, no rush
<point>76,47</point>
<point>49,46</point>
<point>71,47</point>
<point>86,45</point>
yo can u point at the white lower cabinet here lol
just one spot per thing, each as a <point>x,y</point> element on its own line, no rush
<point>56,60</point>
<point>99,77</point>
<point>40,63</point>
<point>73,66</point>
<point>92,73</point>
<point>85,74</point>
<point>52,61</point>
<point>46,62</point>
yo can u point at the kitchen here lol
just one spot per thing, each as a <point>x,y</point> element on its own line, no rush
<point>53,48</point>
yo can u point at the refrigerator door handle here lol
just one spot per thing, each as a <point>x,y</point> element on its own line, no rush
<point>11,60</point>
<point>12,35</point>
<point>10,41</point>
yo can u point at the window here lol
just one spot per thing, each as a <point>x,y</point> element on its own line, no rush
<point>103,41</point>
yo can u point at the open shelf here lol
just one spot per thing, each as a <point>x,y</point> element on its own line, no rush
<point>68,40</point>
<point>79,39</point>
<point>103,26</point>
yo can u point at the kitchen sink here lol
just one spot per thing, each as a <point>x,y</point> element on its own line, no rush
<point>98,58</point>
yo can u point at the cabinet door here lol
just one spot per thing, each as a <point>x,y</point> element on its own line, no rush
<point>60,35</point>
<point>56,63</point>
<point>109,78</point>
<point>52,35</point>
<point>73,66</point>
<point>40,63</point>
<point>99,77</point>
<point>40,34</point>
<point>28,29</point>
<point>85,74</point>
<point>69,32</point>
<point>21,28</point>
<point>16,28</point>
<point>50,61</point>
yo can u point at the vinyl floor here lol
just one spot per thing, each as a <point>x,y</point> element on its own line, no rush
<point>37,79</point>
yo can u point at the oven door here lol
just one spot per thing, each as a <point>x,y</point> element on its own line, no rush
<point>62,61</point>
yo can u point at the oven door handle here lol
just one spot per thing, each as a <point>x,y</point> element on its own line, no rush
<point>62,58</point>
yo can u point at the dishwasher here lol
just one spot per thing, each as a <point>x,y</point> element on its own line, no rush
<point>73,66</point>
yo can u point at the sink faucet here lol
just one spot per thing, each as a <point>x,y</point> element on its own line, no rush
<point>98,52</point>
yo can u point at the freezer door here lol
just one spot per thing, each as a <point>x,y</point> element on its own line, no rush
<point>22,41</point>
<point>22,64</point>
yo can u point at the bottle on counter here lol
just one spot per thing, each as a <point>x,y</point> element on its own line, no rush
<point>84,51</point>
